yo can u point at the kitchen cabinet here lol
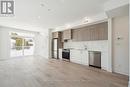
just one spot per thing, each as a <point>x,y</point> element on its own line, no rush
<point>99,32</point>
<point>103,32</point>
<point>75,34</point>
<point>79,56</point>
<point>91,33</point>
<point>67,34</point>
<point>61,42</point>
<point>94,35</point>
<point>86,34</point>
<point>85,57</point>
<point>79,32</point>
<point>75,57</point>
<point>55,35</point>
<point>62,39</point>
<point>60,53</point>
<point>58,35</point>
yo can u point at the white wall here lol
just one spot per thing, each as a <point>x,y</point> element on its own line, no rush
<point>4,44</point>
<point>92,46</point>
<point>41,42</point>
<point>129,47</point>
<point>121,47</point>
<point>5,41</point>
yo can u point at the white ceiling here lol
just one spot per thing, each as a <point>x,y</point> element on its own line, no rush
<point>46,14</point>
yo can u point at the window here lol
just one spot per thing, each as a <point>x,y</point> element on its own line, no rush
<point>21,44</point>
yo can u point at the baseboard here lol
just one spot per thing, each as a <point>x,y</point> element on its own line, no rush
<point>109,70</point>
<point>106,69</point>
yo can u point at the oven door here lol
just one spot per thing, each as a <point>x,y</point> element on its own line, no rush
<point>66,55</point>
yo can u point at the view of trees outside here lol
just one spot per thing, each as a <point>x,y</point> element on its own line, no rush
<point>21,44</point>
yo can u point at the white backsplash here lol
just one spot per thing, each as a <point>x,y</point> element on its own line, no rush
<point>92,46</point>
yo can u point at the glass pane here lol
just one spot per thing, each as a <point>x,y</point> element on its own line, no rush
<point>16,46</point>
<point>28,46</point>
<point>21,44</point>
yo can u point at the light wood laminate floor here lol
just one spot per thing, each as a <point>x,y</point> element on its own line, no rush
<point>40,72</point>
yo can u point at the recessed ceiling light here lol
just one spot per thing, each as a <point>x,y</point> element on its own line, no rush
<point>42,5</point>
<point>49,9</point>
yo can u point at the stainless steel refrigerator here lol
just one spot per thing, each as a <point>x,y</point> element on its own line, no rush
<point>55,48</point>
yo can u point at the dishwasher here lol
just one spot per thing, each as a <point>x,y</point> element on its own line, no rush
<point>95,59</point>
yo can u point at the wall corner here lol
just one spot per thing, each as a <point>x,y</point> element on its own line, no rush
<point>110,45</point>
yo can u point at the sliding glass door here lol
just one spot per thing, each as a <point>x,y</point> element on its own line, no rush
<point>28,47</point>
<point>21,45</point>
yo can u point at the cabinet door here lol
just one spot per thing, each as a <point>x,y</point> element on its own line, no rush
<point>75,34</point>
<point>86,35</point>
<point>75,56</point>
<point>64,34</point>
<point>60,53</point>
<point>99,32</point>
<point>83,34</point>
<point>55,34</point>
<point>67,34</point>
<point>79,56</point>
<point>79,34</point>
<point>84,57</point>
<point>103,32</point>
<point>92,33</point>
